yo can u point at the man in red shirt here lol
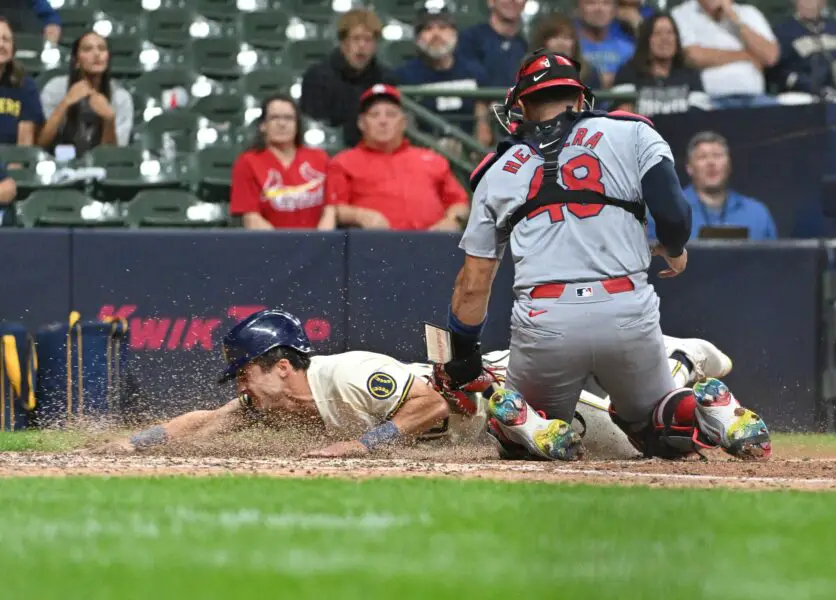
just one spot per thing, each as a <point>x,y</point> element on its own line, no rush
<point>386,183</point>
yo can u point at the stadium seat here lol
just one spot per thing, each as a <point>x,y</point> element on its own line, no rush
<point>225,110</point>
<point>396,53</point>
<point>168,27</point>
<point>31,168</point>
<point>64,208</point>
<point>74,23</point>
<point>148,88</point>
<point>318,135</point>
<point>43,78</point>
<point>212,172</point>
<point>125,175</point>
<point>302,53</point>
<point>118,8</point>
<point>179,125</point>
<point>264,30</point>
<point>124,56</point>
<point>262,83</point>
<point>402,10</point>
<point>216,10</point>
<point>216,57</point>
<point>28,48</point>
<point>157,208</point>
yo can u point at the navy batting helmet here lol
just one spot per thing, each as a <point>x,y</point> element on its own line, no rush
<point>258,334</point>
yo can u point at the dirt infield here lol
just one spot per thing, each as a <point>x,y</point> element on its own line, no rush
<point>790,468</point>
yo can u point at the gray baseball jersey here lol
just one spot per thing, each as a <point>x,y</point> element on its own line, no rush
<point>569,242</point>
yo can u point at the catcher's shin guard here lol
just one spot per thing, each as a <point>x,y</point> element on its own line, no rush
<point>550,439</point>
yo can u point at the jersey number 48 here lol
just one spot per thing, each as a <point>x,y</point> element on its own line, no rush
<point>582,172</point>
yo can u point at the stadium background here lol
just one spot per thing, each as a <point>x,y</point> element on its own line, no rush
<point>92,249</point>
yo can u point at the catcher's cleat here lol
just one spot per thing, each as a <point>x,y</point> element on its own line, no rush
<point>707,359</point>
<point>723,422</point>
<point>552,439</point>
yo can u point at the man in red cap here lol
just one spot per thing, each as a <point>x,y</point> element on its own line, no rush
<point>385,182</point>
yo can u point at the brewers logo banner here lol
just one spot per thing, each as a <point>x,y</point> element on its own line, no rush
<point>381,386</point>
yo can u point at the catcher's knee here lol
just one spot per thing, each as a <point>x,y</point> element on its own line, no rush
<point>670,433</point>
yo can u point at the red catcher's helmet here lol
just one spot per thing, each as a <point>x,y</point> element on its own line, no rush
<point>539,71</point>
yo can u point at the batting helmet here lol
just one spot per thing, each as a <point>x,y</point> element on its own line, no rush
<point>539,71</point>
<point>258,334</point>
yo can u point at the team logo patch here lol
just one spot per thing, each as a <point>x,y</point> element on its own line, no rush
<point>584,292</point>
<point>381,386</point>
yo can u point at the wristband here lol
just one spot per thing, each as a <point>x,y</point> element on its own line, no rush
<point>382,434</point>
<point>153,436</point>
<point>460,328</point>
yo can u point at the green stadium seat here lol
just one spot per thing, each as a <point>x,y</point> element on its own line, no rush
<point>216,10</point>
<point>168,27</point>
<point>300,54</point>
<point>221,109</point>
<point>402,10</point>
<point>149,87</point>
<point>212,172</point>
<point>262,83</point>
<point>124,56</point>
<point>318,135</point>
<point>23,162</point>
<point>396,53</point>
<point>74,23</point>
<point>216,57</point>
<point>125,176</point>
<point>179,126</point>
<point>118,8</point>
<point>264,30</point>
<point>65,208</point>
<point>28,48</point>
<point>157,208</point>
<point>44,77</point>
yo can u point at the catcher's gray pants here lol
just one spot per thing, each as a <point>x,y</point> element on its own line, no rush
<point>557,343</point>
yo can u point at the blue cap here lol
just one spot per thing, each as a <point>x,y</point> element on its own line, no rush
<point>258,334</point>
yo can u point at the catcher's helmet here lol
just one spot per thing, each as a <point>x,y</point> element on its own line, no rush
<point>540,70</point>
<point>258,334</point>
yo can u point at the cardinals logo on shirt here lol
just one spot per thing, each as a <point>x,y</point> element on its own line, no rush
<point>294,197</point>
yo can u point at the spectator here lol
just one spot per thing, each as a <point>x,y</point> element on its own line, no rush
<point>86,108</point>
<point>629,16</point>
<point>331,89</point>
<point>438,63</point>
<point>33,16</point>
<point>807,42</point>
<point>279,183</point>
<point>557,34</point>
<point>498,44</point>
<point>657,73</point>
<point>385,183</point>
<point>8,191</point>
<point>732,44</point>
<point>601,45</point>
<point>714,204</point>
<point>20,105</point>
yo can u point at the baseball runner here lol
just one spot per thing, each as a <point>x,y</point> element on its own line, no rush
<point>375,398</point>
<point>569,191</point>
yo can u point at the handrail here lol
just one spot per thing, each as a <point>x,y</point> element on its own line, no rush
<point>498,94</point>
<point>427,140</point>
<point>446,128</point>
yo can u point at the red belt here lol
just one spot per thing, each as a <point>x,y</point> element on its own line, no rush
<point>616,285</point>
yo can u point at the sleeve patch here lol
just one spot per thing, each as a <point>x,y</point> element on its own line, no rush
<point>381,386</point>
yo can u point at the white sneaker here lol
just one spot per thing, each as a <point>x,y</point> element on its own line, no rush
<point>707,359</point>
<point>722,421</point>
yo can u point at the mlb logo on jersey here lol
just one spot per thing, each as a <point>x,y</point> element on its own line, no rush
<point>584,292</point>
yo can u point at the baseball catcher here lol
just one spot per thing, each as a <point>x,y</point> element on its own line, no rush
<point>569,191</point>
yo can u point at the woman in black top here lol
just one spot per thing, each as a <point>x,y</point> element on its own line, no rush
<point>658,74</point>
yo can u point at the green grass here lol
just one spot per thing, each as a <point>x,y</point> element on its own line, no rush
<point>41,441</point>
<point>260,538</point>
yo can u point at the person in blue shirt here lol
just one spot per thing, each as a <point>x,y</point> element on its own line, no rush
<point>33,16</point>
<point>498,44</point>
<point>438,64</point>
<point>713,203</point>
<point>602,45</point>
<point>21,112</point>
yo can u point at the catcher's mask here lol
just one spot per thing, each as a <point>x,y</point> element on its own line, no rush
<point>539,71</point>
